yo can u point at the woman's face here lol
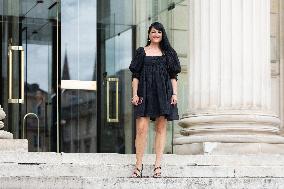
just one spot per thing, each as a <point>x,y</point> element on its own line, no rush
<point>155,35</point>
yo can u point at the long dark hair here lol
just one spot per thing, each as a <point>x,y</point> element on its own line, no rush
<point>164,43</point>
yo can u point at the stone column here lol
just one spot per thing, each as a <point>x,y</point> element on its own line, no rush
<point>229,80</point>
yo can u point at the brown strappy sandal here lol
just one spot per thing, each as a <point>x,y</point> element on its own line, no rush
<point>139,174</point>
<point>158,174</point>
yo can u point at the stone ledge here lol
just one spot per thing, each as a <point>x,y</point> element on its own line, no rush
<point>148,159</point>
<point>114,171</point>
<point>219,148</point>
<point>13,145</point>
<point>230,138</point>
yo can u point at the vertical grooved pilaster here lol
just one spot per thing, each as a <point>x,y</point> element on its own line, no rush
<point>229,60</point>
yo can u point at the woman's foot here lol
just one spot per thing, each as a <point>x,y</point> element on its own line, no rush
<point>157,172</point>
<point>137,172</point>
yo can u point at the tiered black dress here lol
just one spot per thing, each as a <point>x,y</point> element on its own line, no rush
<point>155,88</point>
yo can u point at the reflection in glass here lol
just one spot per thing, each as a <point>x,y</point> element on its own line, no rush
<point>28,24</point>
<point>78,107</point>
<point>97,40</point>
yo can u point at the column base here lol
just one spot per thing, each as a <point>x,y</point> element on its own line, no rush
<point>231,122</point>
<point>229,144</point>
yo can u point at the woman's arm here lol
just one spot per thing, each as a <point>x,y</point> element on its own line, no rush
<point>136,67</point>
<point>174,95</point>
<point>135,97</point>
<point>174,69</point>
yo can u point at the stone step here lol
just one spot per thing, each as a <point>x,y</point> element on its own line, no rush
<point>148,159</point>
<point>113,171</point>
<point>139,183</point>
<point>70,170</point>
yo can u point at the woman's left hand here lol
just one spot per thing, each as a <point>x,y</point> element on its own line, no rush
<point>174,99</point>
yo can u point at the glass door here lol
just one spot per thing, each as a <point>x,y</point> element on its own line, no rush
<point>115,48</point>
<point>78,111</point>
<point>116,120</point>
<point>29,69</point>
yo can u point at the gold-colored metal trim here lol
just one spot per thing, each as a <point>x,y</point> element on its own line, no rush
<point>10,55</point>
<point>16,48</point>
<point>15,101</point>
<point>116,119</point>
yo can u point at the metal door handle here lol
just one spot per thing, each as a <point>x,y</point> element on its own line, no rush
<point>116,99</point>
<point>10,54</point>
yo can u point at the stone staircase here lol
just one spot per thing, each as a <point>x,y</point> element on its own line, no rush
<point>112,171</point>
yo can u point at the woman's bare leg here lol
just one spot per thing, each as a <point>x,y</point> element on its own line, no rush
<point>142,124</point>
<point>160,139</point>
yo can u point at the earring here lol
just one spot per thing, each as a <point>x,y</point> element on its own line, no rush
<point>149,40</point>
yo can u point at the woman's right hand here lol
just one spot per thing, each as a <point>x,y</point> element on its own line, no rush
<point>135,100</point>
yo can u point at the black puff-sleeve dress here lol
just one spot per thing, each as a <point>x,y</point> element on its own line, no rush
<point>155,88</point>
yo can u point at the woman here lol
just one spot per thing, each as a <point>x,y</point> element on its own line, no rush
<point>154,84</point>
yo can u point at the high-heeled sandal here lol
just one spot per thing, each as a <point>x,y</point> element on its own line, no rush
<point>135,174</point>
<point>158,174</point>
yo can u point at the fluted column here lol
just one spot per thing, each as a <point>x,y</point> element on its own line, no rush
<point>229,73</point>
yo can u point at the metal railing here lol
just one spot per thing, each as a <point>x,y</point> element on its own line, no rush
<point>24,125</point>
